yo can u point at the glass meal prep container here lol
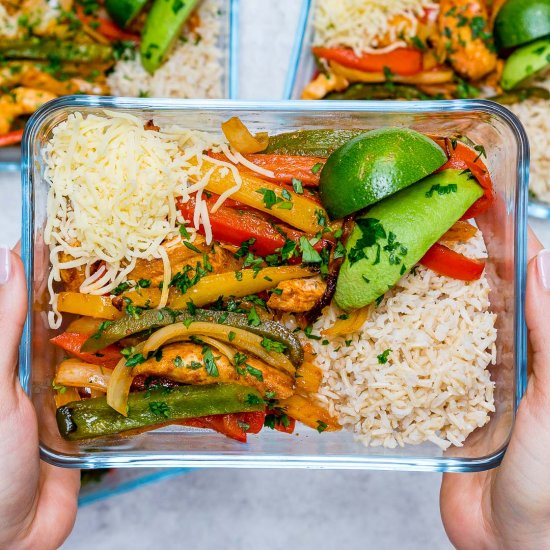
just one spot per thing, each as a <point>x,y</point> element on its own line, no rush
<point>10,157</point>
<point>302,67</point>
<point>504,229</point>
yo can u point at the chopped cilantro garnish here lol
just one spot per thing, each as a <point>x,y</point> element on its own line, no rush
<point>321,426</point>
<point>316,167</point>
<point>210,361</point>
<point>383,357</point>
<point>297,186</point>
<point>160,408</point>
<point>272,345</point>
<point>309,254</point>
<point>253,318</point>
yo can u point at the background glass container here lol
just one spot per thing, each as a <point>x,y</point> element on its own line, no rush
<point>10,157</point>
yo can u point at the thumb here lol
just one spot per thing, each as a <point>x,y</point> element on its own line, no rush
<point>537,311</point>
<point>13,309</point>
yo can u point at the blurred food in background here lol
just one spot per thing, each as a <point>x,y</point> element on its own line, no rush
<point>117,47</point>
<point>451,49</point>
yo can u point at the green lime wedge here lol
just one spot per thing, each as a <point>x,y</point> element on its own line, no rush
<point>375,165</point>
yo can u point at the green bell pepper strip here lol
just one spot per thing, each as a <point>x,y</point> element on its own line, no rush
<point>50,49</point>
<point>311,143</point>
<point>152,319</point>
<point>94,418</point>
<point>162,27</point>
<point>361,91</point>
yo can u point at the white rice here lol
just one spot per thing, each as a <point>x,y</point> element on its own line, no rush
<point>535,116</point>
<point>193,70</point>
<point>435,385</point>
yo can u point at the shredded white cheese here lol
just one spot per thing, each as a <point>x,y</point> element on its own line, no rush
<point>362,24</point>
<point>113,192</point>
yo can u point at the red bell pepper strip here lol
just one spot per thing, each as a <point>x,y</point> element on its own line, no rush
<point>449,263</point>
<point>235,426</point>
<point>285,167</point>
<point>71,342</point>
<point>11,138</point>
<point>461,157</point>
<point>105,27</point>
<point>279,426</point>
<point>235,226</point>
<point>401,61</point>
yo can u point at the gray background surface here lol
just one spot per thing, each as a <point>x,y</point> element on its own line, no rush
<point>239,509</point>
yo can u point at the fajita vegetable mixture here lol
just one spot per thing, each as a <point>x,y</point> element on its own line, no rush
<point>446,49</point>
<point>235,281</point>
<point>163,48</point>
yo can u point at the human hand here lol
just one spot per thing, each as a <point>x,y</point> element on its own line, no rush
<point>509,507</point>
<point>37,501</point>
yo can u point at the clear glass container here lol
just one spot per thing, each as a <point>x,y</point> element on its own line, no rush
<point>504,228</point>
<point>10,157</point>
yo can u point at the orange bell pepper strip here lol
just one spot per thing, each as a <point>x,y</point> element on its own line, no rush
<point>71,342</point>
<point>401,61</point>
<point>285,167</point>
<point>105,27</point>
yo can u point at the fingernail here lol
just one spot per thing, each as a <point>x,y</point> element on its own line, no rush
<point>5,260</point>
<point>543,264</point>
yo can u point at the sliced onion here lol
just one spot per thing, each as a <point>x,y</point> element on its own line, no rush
<point>243,339</point>
<point>78,374</point>
<point>241,139</point>
<point>119,385</point>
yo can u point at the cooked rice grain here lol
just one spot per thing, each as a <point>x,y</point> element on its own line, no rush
<point>193,70</point>
<point>435,385</point>
<point>535,117</point>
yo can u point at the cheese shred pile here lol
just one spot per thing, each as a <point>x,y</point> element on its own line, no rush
<point>112,197</point>
<point>363,24</point>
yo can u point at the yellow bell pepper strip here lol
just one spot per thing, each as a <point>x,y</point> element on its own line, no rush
<point>288,206</point>
<point>88,305</point>
<point>241,139</point>
<point>353,322</point>
<point>309,413</point>
<point>308,376</point>
<point>237,284</point>
<point>94,418</point>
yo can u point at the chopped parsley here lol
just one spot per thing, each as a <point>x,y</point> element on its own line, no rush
<point>272,345</point>
<point>160,408</point>
<point>210,361</point>
<point>101,329</point>
<point>383,357</point>
<point>192,247</point>
<point>183,232</point>
<point>178,362</point>
<point>371,231</point>
<point>135,359</point>
<point>144,283</point>
<point>481,150</point>
<point>316,167</point>
<point>253,399</point>
<point>442,189</point>
<point>297,186</point>
<point>122,287</point>
<point>231,336</point>
<point>308,331</point>
<point>309,254</point>
<point>321,426</point>
<point>253,318</point>
<point>244,248</point>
